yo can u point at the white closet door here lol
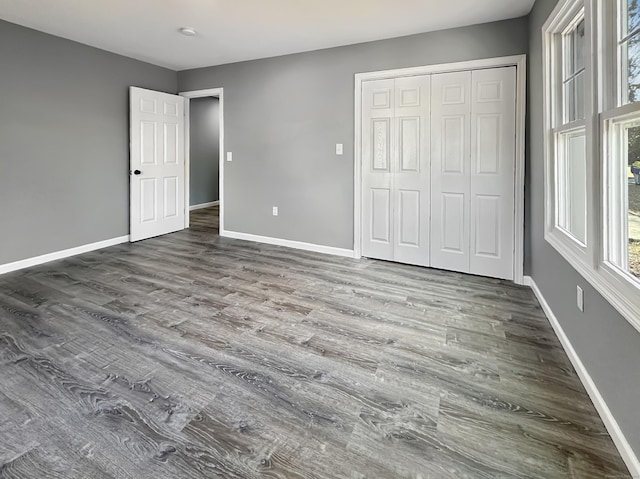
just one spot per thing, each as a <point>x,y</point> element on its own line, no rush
<point>450,170</point>
<point>411,170</point>
<point>377,178</point>
<point>438,160</point>
<point>493,137</point>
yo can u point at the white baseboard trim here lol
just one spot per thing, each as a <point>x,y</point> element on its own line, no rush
<point>289,243</point>
<point>628,456</point>
<point>45,258</point>
<point>204,205</point>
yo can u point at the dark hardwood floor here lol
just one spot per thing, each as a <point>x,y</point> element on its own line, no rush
<point>193,356</point>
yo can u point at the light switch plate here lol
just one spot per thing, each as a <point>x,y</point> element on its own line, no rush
<point>275,211</point>
<point>229,156</point>
<point>338,148</point>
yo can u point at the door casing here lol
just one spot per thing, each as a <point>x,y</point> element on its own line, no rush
<point>519,61</point>
<point>188,95</point>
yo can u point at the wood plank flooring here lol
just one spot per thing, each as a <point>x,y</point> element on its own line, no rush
<point>195,356</point>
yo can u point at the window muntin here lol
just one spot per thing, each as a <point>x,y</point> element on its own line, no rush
<point>573,71</point>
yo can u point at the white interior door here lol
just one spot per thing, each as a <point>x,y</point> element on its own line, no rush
<point>450,170</point>
<point>157,175</point>
<point>493,136</point>
<point>395,166</point>
<point>378,145</point>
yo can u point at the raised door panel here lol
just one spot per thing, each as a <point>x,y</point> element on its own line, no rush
<point>151,150</point>
<point>148,143</point>
<point>171,200</point>
<point>171,108</point>
<point>148,200</point>
<point>492,172</point>
<point>409,216</point>
<point>450,170</point>
<point>377,164</point>
<point>381,94</point>
<point>453,223</point>
<point>411,184</point>
<point>171,144</point>
<point>380,215</point>
<point>410,145</point>
<point>487,225</point>
<point>381,145</point>
<point>487,153</point>
<point>454,143</point>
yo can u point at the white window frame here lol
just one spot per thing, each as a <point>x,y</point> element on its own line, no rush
<point>602,97</point>
<point>566,15</point>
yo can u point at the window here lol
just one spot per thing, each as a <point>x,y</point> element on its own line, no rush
<point>571,147</point>
<point>566,76</point>
<point>592,144</point>
<point>621,137</point>
<point>622,200</point>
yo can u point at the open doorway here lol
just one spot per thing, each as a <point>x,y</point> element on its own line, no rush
<point>204,137</point>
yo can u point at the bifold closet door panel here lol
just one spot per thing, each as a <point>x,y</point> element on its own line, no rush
<point>450,170</point>
<point>378,145</point>
<point>411,183</point>
<point>493,135</point>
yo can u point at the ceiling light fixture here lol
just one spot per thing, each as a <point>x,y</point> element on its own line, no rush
<point>188,32</point>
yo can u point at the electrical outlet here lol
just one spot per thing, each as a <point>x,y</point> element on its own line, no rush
<point>275,211</point>
<point>338,148</point>
<point>580,298</point>
<point>229,156</point>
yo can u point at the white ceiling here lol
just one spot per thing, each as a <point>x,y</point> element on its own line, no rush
<point>236,30</point>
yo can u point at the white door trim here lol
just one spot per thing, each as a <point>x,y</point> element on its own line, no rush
<point>520,62</point>
<point>188,95</point>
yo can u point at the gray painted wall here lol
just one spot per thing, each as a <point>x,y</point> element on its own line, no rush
<point>64,141</point>
<point>204,149</point>
<point>607,344</point>
<point>64,159</point>
<point>284,115</point>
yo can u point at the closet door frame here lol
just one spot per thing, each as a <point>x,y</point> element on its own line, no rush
<point>520,62</point>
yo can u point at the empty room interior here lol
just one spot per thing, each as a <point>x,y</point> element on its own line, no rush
<point>320,239</point>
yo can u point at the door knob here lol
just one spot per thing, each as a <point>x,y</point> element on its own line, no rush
<point>137,172</point>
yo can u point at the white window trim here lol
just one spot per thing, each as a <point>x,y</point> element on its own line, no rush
<point>601,90</point>
<point>563,16</point>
